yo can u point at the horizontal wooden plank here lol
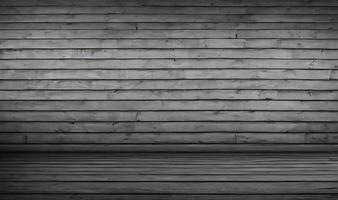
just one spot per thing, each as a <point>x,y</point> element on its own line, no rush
<point>116,138</point>
<point>111,127</point>
<point>168,53</point>
<point>168,3</point>
<point>169,18</point>
<point>165,138</point>
<point>168,105</point>
<point>171,158</point>
<point>189,170</point>
<point>220,25</point>
<point>167,10</point>
<point>134,34</point>
<point>162,197</point>
<point>268,138</point>
<point>170,116</point>
<point>159,177</point>
<point>322,139</point>
<point>169,43</point>
<point>169,26</point>
<point>139,74</point>
<point>253,148</point>
<point>168,64</point>
<point>171,187</point>
<point>177,95</point>
<point>124,86</point>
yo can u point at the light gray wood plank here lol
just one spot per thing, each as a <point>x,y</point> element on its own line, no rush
<point>118,138</point>
<point>134,86</point>
<point>224,34</point>
<point>226,25</point>
<point>171,116</point>
<point>169,64</point>
<point>169,43</point>
<point>244,148</point>
<point>322,138</point>
<point>169,18</point>
<point>111,127</point>
<point>168,105</point>
<point>170,26</point>
<point>167,10</point>
<point>168,53</point>
<point>177,95</point>
<point>173,74</point>
<point>168,3</point>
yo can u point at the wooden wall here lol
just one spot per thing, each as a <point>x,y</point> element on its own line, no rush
<point>168,72</point>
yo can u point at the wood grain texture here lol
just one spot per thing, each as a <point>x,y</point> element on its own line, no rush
<point>168,10</point>
<point>166,33</point>
<point>168,72</point>
<point>168,176</point>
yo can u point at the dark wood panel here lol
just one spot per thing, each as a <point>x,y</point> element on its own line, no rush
<point>171,187</point>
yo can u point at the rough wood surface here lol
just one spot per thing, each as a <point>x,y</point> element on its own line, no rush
<point>168,176</point>
<point>146,72</point>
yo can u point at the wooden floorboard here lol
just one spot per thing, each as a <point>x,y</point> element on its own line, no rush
<point>169,176</point>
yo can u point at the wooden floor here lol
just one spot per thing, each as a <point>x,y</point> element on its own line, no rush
<point>168,176</point>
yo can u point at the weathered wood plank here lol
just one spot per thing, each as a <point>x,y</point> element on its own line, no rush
<point>168,3</point>
<point>230,25</point>
<point>160,177</point>
<point>177,95</point>
<point>167,10</point>
<point>224,34</point>
<point>111,127</point>
<point>167,197</point>
<point>169,64</point>
<point>145,105</point>
<point>168,53</point>
<point>171,187</point>
<point>169,18</point>
<point>134,86</point>
<point>169,43</point>
<point>117,138</point>
<point>169,26</point>
<point>170,116</point>
<point>156,138</point>
<point>165,148</point>
<point>149,74</point>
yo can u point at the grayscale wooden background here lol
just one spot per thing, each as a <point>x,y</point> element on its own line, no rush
<point>153,74</point>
